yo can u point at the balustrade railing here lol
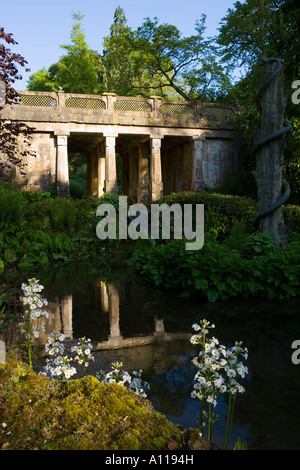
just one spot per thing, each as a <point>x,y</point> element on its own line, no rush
<point>109,102</point>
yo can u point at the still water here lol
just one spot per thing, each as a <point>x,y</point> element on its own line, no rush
<point>150,330</point>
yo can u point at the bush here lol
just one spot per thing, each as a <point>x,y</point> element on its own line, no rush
<point>234,207</point>
<point>218,272</point>
<point>12,207</point>
<point>221,211</point>
<point>63,215</point>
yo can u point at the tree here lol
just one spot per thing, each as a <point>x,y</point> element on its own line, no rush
<point>188,65</point>
<point>44,80</point>
<point>125,75</point>
<point>256,30</point>
<point>11,130</point>
<point>78,71</point>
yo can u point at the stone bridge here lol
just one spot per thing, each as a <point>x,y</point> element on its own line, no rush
<point>139,147</point>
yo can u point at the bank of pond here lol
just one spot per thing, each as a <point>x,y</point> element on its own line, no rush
<point>138,299</point>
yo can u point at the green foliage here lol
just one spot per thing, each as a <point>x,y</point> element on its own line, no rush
<point>108,198</point>
<point>240,445</point>
<point>221,211</point>
<point>12,208</point>
<point>186,64</point>
<point>77,71</point>
<point>63,215</point>
<point>38,229</point>
<point>77,188</point>
<point>218,272</point>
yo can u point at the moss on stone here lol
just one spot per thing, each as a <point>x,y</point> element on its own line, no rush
<point>83,414</point>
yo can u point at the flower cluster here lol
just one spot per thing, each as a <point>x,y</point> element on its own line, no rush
<point>219,370</point>
<point>58,365</point>
<point>33,305</point>
<point>84,352</point>
<point>121,377</point>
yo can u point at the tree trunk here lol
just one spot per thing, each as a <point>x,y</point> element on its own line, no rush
<point>269,158</point>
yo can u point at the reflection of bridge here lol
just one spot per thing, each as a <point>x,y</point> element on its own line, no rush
<point>163,146</point>
<point>60,320</point>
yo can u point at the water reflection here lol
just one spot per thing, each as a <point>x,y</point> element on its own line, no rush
<point>150,330</point>
<point>141,338</point>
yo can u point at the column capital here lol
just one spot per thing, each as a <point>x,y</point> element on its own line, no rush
<point>156,142</point>
<point>62,139</point>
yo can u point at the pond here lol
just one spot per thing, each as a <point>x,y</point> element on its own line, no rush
<point>150,330</point>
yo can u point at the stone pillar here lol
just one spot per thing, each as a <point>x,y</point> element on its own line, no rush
<point>94,172</point>
<point>156,184</point>
<point>143,174</point>
<point>101,169</point>
<point>62,168</point>
<point>125,174</point>
<point>111,185</point>
<point>133,175</point>
<point>197,178</point>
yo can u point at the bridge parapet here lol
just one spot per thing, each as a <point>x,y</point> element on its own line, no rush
<point>112,109</point>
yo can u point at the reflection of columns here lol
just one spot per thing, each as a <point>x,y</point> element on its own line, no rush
<point>110,165</point>
<point>114,311</point>
<point>159,326</point>
<point>143,174</point>
<point>197,177</point>
<point>66,315</point>
<point>62,169</point>
<point>104,297</point>
<point>156,186</point>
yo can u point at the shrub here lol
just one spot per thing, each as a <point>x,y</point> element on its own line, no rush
<point>234,207</point>
<point>63,215</point>
<point>12,207</point>
<point>218,272</point>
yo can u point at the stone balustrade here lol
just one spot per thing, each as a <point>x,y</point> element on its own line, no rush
<point>111,109</point>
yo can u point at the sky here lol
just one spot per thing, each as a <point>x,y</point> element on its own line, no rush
<point>41,27</point>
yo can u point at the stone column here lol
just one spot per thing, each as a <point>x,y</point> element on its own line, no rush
<point>197,177</point>
<point>125,174</point>
<point>111,185</point>
<point>143,174</point>
<point>62,168</point>
<point>133,175</point>
<point>156,184</point>
<point>94,172</point>
<point>101,169</point>
<point>89,174</point>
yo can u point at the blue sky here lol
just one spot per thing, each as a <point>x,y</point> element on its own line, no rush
<point>41,27</point>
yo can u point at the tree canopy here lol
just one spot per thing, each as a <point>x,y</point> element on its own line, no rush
<point>154,59</point>
<point>77,71</point>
